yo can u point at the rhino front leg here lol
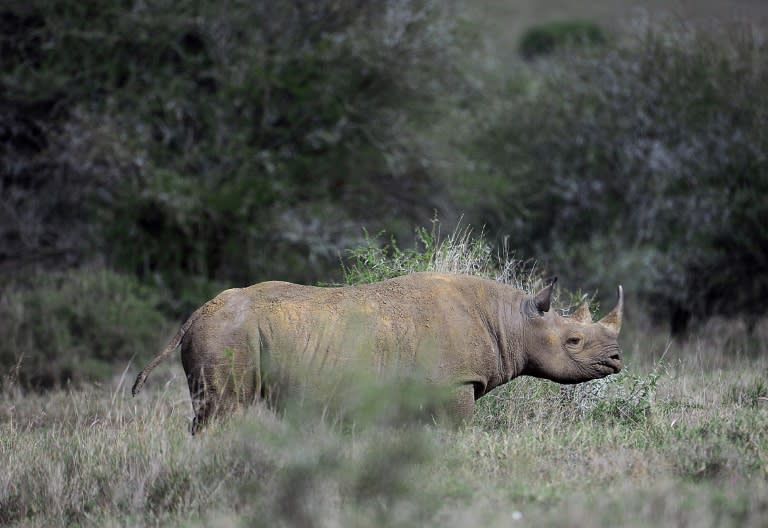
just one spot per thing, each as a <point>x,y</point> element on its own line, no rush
<point>461,405</point>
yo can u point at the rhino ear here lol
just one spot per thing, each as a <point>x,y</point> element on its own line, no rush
<point>613,319</point>
<point>541,302</point>
<point>582,314</point>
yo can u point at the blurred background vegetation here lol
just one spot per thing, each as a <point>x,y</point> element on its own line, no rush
<point>152,154</point>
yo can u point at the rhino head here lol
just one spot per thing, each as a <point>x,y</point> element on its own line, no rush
<point>569,349</point>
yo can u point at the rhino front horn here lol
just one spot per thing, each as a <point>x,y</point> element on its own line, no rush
<point>613,319</point>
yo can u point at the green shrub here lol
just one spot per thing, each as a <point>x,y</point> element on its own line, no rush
<point>544,39</point>
<point>230,140</point>
<point>642,164</point>
<point>460,252</point>
<point>625,397</point>
<point>62,328</point>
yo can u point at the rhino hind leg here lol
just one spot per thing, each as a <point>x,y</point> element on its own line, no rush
<point>210,402</point>
<point>207,410</point>
<point>204,401</point>
<point>219,391</point>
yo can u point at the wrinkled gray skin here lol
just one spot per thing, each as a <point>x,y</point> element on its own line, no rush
<point>463,332</point>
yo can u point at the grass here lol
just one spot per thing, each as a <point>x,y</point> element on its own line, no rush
<point>697,454</point>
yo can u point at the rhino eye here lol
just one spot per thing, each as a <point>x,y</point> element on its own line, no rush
<point>573,341</point>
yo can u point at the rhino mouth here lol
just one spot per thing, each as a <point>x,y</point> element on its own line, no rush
<point>612,363</point>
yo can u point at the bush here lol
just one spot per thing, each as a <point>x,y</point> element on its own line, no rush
<point>460,253</point>
<point>70,327</point>
<point>544,39</point>
<point>643,163</point>
<point>210,140</point>
<point>626,397</point>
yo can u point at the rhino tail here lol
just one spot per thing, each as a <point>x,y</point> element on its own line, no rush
<point>175,342</point>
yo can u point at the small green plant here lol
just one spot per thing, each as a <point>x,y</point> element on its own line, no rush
<point>625,397</point>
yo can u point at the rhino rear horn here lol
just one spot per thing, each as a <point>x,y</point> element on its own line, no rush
<point>613,319</point>
<point>582,314</point>
<point>541,302</point>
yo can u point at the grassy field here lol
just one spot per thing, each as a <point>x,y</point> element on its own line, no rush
<point>681,441</point>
